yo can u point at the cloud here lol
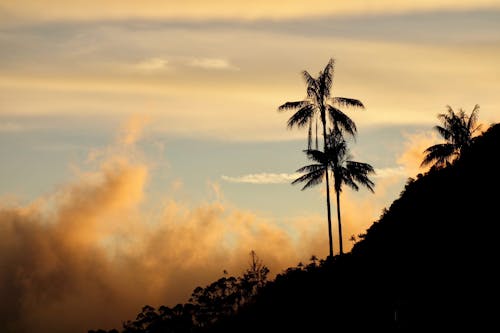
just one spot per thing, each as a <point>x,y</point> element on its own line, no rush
<point>88,255</point>
<point>132,130</point>
<point>221,9</point>
<point>414,147</point>
<point>212,63</point>
<point>283,177</point>
<point>263,178</point>
<point>108,81</point>
<point>389,172</point>
<point>152,65</point>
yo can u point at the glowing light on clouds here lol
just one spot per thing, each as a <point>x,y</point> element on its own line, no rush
<point>89,245</point>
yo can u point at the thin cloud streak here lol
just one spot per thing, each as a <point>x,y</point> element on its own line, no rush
<point>390,172</point>
<point>212,63</point>
<point>152,65</point>
<point>262,178</point>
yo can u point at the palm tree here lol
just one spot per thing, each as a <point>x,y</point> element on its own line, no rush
<point>458,129</point>
<point>344,170</point>
<point>319,104</point>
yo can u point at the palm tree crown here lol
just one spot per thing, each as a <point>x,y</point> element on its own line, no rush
<point>319,104</point>
<point>459,130</point>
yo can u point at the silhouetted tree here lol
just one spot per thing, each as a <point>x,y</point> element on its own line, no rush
<point>255,277</point>
<point>320,104</point>
<point>344,170</point>
<point>458,129</point>
<point>224,297</point>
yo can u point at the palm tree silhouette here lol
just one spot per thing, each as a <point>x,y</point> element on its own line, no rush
<point>344,170</point>
<point>319,103</point>
<point>458,129</point>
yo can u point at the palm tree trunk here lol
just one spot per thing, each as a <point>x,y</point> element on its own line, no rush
<point>340,224</point>
<point>330,238</point>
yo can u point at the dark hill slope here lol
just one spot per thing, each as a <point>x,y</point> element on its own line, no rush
<point>428,263</point>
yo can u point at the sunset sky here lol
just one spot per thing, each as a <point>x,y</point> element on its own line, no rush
<point>143,154</point>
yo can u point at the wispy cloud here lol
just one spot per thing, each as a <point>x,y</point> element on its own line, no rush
<point>283,177</point>
<point>390,172</point>
<point>212,63</point>
<point>263,178</point>
<point>152,65</point>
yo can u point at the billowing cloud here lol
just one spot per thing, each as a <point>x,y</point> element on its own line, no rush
<point>262,178</point>
<point>89,256</point>
<point>413,154</point>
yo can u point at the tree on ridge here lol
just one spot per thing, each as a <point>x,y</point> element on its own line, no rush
<point>458,130</point>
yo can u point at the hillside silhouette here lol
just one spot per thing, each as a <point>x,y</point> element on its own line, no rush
<point>428,263</point>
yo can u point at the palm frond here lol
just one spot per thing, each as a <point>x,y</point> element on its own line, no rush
<point>313,94</point>
<point>293,105</point>
<point>348,102</point>
<point>302,116</point>
<point>438,154</point>
<point>311,178</point>
<point>312,84</point>
<point>316,155</point>
<point>444,132</point>
<point>359,172</point>
<point>310,168</point>
<point>349,181</point>
<point>342,121</point>
<point>472,121</point>
<point>325,77</point>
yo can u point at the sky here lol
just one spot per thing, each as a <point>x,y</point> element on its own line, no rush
<point>143,153</point>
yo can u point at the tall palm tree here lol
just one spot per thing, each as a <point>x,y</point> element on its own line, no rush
<point>319,104</point>
<point>336,157</point>
<point>345,171</point>
<point>459,130</point>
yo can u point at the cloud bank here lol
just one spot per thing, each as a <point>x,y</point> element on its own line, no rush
<point>88,255</point>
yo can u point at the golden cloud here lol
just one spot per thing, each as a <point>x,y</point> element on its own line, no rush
<point>88,256</point>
